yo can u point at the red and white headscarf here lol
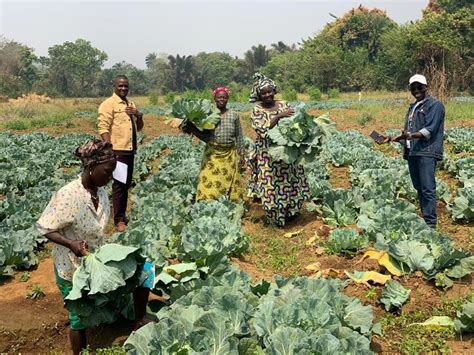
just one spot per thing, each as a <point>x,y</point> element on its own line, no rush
<point>219,89</point>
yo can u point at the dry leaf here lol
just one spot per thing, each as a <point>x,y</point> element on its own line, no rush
<point>320,251</point>
<point>365,277</point>
<point>293,234</point>
<point>311,241</point>
<point>313,267</point>
<point>174,122</point>
<point>383,259</point>
<point>331,272</point>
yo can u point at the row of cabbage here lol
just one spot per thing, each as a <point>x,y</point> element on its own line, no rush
<point>461,140</point>
<point>214,307</point>
<point>32,167</point>
<point>379,202</point>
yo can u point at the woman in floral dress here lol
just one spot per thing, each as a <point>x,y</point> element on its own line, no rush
<point>281,187</point>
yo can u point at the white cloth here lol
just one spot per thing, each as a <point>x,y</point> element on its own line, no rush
<point>72,213</point>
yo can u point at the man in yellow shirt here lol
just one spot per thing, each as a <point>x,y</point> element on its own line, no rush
<point>118,122</point>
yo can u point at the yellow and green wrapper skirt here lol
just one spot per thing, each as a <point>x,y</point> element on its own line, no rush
<point>220,173</point>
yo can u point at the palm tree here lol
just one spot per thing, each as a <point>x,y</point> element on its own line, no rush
<point>256,57</point>
<point>281,47</point>
<point>183,71</point>
<point>150,59</point>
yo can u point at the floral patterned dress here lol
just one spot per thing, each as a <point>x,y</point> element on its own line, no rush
<point>282,187</point>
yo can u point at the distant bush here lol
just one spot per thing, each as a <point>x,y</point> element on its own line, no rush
<point>170,97</point>
<point>153,98</point>
<point>290,95</point>
<point>314,94</point>
<point>239,96</point>
<point>333,93</point>
<point>364,118</point>
<point>195,94</point>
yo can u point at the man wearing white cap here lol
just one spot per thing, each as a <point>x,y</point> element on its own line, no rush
<point>422,139</point>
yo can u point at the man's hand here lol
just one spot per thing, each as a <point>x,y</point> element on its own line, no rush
<point>78,247</point>
<point>130,110</point>
<point>105,137</point>
<point>385,139</point>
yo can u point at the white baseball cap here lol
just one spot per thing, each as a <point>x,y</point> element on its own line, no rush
<point>418,78</point>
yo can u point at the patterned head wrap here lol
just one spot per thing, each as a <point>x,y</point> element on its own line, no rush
<point>219,89</point>
<point>260,81</point>
<point>95,152</point>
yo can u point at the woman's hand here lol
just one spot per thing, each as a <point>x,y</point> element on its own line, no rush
<point>288,112</point>
<point>78,247</point>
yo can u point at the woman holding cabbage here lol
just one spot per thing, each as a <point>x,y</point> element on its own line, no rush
<point>75,220</point>
<point>281,187</point>
<point>223,155</point>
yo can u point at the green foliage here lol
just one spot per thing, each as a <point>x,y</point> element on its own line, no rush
<point>215,69</point>
<point>364,118</point>
<point>113,350</point>
<point>25,276</point>
<point>314,94</point>
<point>299,138</point>
<point>418,339</point>
<point>103,284</point>
<point>394,295</point>
<point>347,241</point>
<point>73,67</point>
<point>464,321</point>
<point>36,291</point>
<point>462,208</point>
<point>153,98</point>
<point>408,338</point>
<point>461,138</point>
<point>27,194</point>
<point>290,95</point>
<point>196,95</point>
<point>333,93</point>
<point>137,79</point>
<point>170,97</point>
<point>55,118</point>
<point>371,293</point>
<point>201,112</point>
<point>231,317</point>
<point>18,72</point>
<point>339,208</point>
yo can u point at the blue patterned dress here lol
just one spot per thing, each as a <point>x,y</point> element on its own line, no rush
<point>282,187</point>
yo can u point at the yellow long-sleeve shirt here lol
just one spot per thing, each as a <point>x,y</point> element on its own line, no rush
<point>112,119</point>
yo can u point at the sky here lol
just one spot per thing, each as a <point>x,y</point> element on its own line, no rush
<point>129,30</point>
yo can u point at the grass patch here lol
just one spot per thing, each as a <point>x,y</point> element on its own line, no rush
<point>270,252</point>
<point>114,350</point>
<point>53,119</point>
<point>457,111</point>
<point>406,338</point>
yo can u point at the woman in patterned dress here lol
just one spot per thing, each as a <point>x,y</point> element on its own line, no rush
<point>223,155</point>
<point>281,187</point>
<point>75,220</point>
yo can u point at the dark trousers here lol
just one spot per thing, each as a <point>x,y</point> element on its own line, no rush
<point>120,190</point>
<point>422,172</point>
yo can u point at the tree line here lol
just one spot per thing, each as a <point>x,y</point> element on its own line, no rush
<point>362,50</point>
